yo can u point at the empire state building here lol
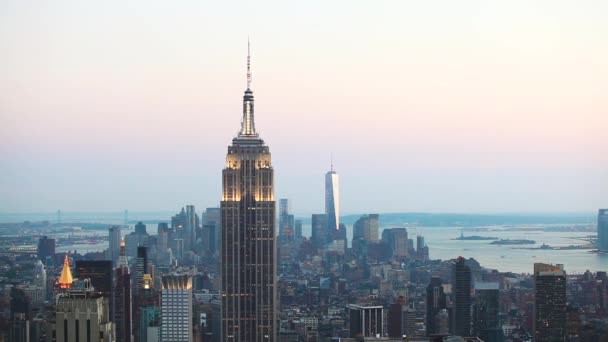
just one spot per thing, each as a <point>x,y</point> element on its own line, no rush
<point>248,251</point>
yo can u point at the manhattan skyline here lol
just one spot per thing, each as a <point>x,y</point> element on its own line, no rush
<point>485,108</point>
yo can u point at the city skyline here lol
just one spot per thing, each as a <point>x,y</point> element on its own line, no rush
<point>142,128</point>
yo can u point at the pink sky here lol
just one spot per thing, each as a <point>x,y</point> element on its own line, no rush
<point>434,106</point>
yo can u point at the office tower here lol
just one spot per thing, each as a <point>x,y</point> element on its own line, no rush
<point>298,229</point>
<point>395,318</point>
<point>419,243</point>
<point>409,321</point>
<point>486,308</point>
<point>150,318</point>
<point>99,272</point>
<point>212,219</point>
<point>249,298</point>
<point>442,322</point>
<point>339,236</point>
<point>190,228</point>
<point>122,298</point>
<point>40,276</point>
<point>178,222</point>
<point>549,303</point>
<point>367,227</point>
<point>20,317</point>
<point>602,230</point>
<point>462,298</point>
<point>162,240</point>
<point>319,230</point>
<point>82,315</point>
<point>366,321</point>
<point>397,240</point>
<point>332,200</point>
<point>46,248</point>
<point>435,302</point>
<point>65,279</point>
<point>176,308</point>
<point>115,239</point>
<point>140,228</point>
<point>101,275</point>
<point>19,328</point>
<point>137,290</point>
<point>283,217</point>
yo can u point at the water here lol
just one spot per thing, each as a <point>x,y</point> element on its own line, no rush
<point>506,258</point>
<point>439,239</point>
<point>513,258</point>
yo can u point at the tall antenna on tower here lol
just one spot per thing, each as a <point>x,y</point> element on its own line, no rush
<point>248,64</point>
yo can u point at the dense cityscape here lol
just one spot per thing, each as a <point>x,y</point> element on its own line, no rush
<point>244,272</point>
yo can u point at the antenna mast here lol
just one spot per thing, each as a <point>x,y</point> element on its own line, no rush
<point>248,64</point>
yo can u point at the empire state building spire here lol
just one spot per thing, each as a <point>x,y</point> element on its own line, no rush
<point>247,124</point>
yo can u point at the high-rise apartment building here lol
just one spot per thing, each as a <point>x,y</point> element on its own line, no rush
<point>602,230</point>
<point>176,308</point>
<point>461,291</point>
<point>549,303</point>
<point>366,320</point>
<point>436,301</point>
<point>332,200</point>
<point>367,227</point>
<point>249,294</point>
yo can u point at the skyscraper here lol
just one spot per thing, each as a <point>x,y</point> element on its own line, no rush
<point>83,315</point>
<point>190,228</point>
<point>319,230</point>
<point>248,235</point>
<point>367,227</point>
<point>114,250</point>
<point>332,200</point>
<point>462,298</point>
<point>137,288</point>
<point>549,303</point>
<point>176,308</point>
<point>435,302</point>
<point>397,240</point>
<point>212,220</point>
<point>602,230</point>
<point>366,321</point>
<point>46,248</point>
<point>283,215</point>
<point>100,274</point>
<point>298,229</point>
<point>486,308</point>
<point>122,298</point>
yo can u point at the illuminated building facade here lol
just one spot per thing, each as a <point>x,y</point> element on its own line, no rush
<point>332,200</point>
<point>248,250</point>
<point>176,308</point>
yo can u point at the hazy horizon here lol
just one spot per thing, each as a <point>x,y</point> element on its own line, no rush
<point>435,107</point>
